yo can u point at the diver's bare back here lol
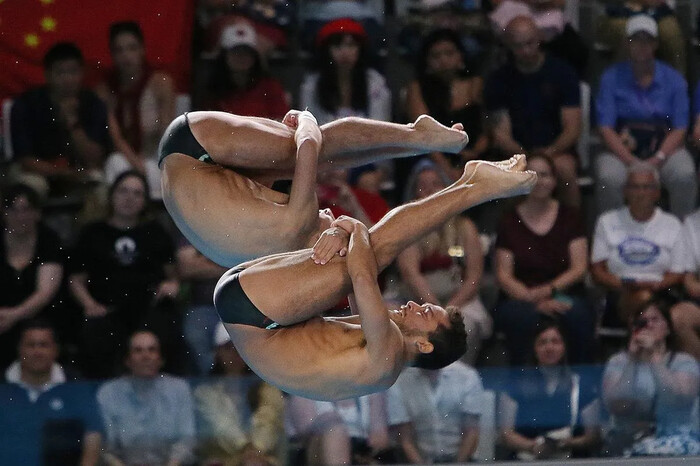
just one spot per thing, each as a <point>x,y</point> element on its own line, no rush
<point>321,358</point>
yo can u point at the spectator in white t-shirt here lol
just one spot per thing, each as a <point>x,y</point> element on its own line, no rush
<point>639,249</point>
<point>437,413</point>
<point>686,315</point>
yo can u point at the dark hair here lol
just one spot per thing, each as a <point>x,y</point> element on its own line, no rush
<point>449,343</point>
<point>62,51</point>
<point>125,27</point>
<point>436,93</point>
<point>142,330</point>
<point>37,323</point>
<point>552,168</point>
<point>544,324</point>
<point>662,302</point>
<point>547,160</point>
<point>220,81</point>
<point>18,190</point>
<point>117,182</point>
<point>327,86</point>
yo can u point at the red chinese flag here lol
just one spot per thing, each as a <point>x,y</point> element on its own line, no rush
<point>28,28</point>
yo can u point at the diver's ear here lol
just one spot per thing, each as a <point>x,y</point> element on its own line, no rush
<point>424,346</point>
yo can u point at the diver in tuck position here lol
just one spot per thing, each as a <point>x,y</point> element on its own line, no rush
<point>271,305</point>
<point>218,169</point>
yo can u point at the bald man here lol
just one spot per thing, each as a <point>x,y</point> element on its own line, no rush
<point>271,306</point>
<point>218,168</point>
<point>535,105</point>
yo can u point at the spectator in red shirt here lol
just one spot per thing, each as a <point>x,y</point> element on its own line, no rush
<point>540,263</point>
<point>239,82</point>
<point>354,193</point>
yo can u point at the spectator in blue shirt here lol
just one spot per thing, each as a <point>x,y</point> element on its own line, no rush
<point>534,105</point>
<point>43,419</point>
<point>148,415</point>
<point>642,110</point>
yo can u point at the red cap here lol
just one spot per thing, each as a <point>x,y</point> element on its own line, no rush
<point>340,26</point>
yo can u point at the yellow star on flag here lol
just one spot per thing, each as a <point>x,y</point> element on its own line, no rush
<point>32,40</point>
<point>48,23</point>
<point>47,2</point>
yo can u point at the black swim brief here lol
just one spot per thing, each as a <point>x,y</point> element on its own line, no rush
<point>234,306</point>
<point>178,138</point>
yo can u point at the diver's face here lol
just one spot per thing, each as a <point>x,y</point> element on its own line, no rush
<point>422,319</point>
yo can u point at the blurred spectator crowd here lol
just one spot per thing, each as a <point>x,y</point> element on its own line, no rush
<point>581,300</point>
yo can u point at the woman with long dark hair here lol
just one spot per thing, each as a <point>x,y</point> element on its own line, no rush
<point>448,89</point>
<point>548,411</point>
<point>141,103</point>
<point>344,83</point>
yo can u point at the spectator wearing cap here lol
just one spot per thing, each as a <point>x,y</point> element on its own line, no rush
<point>240,416</point>
<point>642,110</point>
<point>316,13</point>
<point>672,41</point>
<point>534,105</point>
<point>59,130</point>
<point>239,81</point>
<point>44,419</point>
<point>148,416</point>
<point>344,84</point>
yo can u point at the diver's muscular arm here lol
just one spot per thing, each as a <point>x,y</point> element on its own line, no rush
<point>362,269</point>
<point>308,140</point>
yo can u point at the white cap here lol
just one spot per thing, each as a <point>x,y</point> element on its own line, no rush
<point>237,34</point>
<point>641,23</point>
<point>221,336</point>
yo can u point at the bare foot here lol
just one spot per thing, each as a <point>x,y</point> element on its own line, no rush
<point>506,178</point>
<point>439,137</point>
